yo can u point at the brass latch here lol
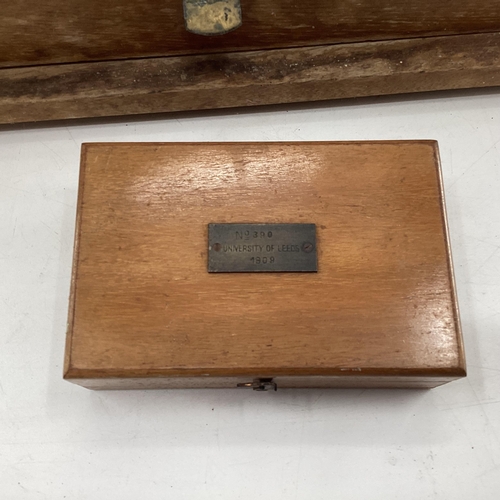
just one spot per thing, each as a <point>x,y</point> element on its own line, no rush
<point>212,17</point>
<point>260,384</point>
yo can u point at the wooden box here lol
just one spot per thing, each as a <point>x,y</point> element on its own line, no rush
<point>146,313</point>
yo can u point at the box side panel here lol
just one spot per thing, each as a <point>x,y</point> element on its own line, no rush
<point>74,271</point>
<point>282,382</point>
<point>453,290</point>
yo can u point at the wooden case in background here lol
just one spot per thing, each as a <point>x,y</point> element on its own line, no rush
<point>145,313</point>
<point>86,58</point>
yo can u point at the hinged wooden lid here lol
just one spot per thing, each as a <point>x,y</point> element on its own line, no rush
<point>381,306</point>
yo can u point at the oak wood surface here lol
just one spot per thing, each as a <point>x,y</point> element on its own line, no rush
<point>53,31</point>
<point>248,78</point>
<point>381,305</point>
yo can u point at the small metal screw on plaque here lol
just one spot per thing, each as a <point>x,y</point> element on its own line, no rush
<point>261,248</point>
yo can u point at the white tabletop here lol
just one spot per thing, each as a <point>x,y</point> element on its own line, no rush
<point>58,440</point>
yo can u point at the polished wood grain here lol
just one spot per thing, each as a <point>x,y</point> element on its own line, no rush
<point>144,306</point>
<point>248,78</point>
<point>52,31</point>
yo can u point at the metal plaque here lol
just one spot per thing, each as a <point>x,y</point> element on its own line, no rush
<point>261,248</point>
